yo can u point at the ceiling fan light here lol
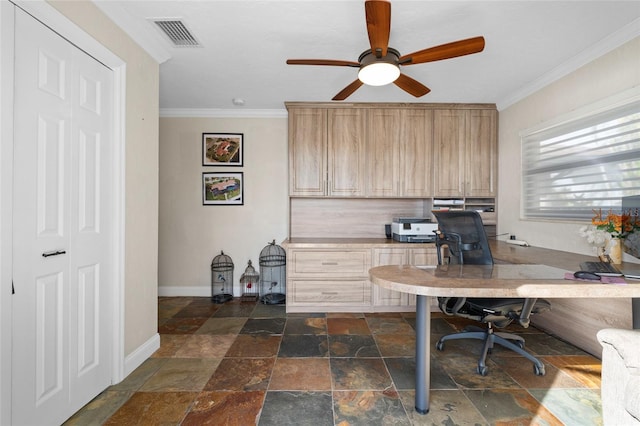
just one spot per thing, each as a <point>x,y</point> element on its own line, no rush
<point>379,73</point>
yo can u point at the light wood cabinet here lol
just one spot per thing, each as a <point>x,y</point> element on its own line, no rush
<point>308,151</point>
<point>346,146</point>
<point>465,150</point>
<point>399,256</point>
<point>399,153</point>
<point>326,279</point>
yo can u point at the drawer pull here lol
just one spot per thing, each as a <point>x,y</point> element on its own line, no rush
<point>329,263</point>
<point>330,293</point>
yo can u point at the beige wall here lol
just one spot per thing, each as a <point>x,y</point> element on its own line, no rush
<point>192,234</point>
<point>141,172</point>
<point>612,73</point>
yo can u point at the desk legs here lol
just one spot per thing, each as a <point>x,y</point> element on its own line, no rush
<point>423,332</point>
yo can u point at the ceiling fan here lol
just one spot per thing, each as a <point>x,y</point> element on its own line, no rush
<point>381,64</point>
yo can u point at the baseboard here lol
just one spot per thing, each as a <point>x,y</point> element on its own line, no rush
<point>141,354</point>
<point>184,291</point>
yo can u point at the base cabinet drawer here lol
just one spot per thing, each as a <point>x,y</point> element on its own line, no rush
<point>329,293</point>
<point>330,263</point>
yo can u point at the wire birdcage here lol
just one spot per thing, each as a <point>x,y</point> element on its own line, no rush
<point>250,283</point>
<point>221,278</point>
<point>273,260</point>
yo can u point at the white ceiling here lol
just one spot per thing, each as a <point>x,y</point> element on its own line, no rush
<point>245,44</point>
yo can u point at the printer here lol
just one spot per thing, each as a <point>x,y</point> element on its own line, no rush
<point>413,230</point>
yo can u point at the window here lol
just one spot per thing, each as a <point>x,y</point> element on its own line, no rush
<point>582,164</point>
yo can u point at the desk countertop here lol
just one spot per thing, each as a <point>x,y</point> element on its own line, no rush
<point>495,281</point>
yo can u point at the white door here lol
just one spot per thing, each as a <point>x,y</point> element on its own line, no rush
<point>62,245</point>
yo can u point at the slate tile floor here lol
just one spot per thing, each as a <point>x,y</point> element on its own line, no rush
<point>245,363</point>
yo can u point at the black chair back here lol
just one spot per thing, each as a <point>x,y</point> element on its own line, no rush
<point>463,232</point>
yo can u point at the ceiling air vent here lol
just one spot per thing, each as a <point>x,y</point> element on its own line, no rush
<point>177,32</point>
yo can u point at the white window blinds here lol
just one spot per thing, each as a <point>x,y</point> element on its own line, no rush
<point>584,164</point>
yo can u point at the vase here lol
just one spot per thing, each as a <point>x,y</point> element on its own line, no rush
<point>615,250</point>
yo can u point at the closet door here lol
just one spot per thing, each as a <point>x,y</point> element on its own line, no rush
<point>62,233</point>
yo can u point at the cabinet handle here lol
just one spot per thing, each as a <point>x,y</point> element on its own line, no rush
<point>330,293</point>
<point>53,253</point>
<point>329,263</point>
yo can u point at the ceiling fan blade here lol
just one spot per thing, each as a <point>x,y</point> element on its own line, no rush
<point>347,91</point>
<point>444,51</point>
<point>378,13</point>
<point>411,86</point>
<point>332,62</point>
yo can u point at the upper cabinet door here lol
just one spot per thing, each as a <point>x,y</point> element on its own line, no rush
<point>449,152</point>
<point>481,153</point>
<point>307,151</point>
<point>416,153</point>
<point>346,152</point>
<point>383,149</point>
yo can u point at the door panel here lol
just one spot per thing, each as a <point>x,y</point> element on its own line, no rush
<point>62,191</point>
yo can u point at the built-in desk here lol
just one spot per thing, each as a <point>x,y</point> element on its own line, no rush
<point>575,320</point>
<point>500,280</point>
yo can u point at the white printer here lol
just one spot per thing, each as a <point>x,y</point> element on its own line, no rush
<point>413,230</point>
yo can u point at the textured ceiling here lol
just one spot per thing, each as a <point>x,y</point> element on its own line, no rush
<point>245,44</point>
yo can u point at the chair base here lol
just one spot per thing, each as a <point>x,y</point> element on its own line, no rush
<point>490,338</point>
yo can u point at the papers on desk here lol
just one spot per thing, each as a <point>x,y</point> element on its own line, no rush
<point>603,279</point>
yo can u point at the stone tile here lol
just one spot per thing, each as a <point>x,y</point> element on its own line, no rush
<point>513,406</point>
<point>522,372</point>
<point>181,375</point>
<point>396,344</point>
<point>181,325</point>
<point>301,374</point>
<point>206,346</point>
<point>369,408</point>
<point>345,315</point>
<point>198,309</point>
<point>403,372</point>
<point>446,407</point>
<point>544,344</point>
<point>310,325</point>
<point>99,409</point>
<point>585,369</point>
<point>263,326</point>
<point>269,311</point>
<point>463,370</point>
<point>353,346</point>
<point>359,374</point>
<point>389,325</point>
<point>297,408</point>
<point>572,406</point>
<point>169,345</point>
<point>225,408</point>
<point>304,345</point>
<point>153,408</point>
<point>139,376</point>
<point>226,325</point>
<point>241,374</point>
<point>347,326</point>
<point>169,306</point>
<point>235,310</point>
<point>254,346</point>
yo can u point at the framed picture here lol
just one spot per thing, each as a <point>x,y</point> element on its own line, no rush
<point>222,149</point>
<point>222,189</point>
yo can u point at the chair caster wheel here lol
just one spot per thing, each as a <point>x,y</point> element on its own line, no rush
<point>440,345</point>
<point>538,371</point>
<point>520,344</point>
<point>483,371</point>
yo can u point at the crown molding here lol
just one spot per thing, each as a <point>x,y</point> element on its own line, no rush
<point>222,113</point>
<point>143,35</point>
<point>604,46</point>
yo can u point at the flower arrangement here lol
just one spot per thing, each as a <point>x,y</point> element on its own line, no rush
<point>616,225</point>
<point>605,230</point>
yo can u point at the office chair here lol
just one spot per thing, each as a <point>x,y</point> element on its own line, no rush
<point>462,232</point>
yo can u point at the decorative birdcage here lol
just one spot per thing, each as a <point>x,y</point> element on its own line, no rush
<point>221,278</point>
<point>273,260</point>
<point>250,282</point>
